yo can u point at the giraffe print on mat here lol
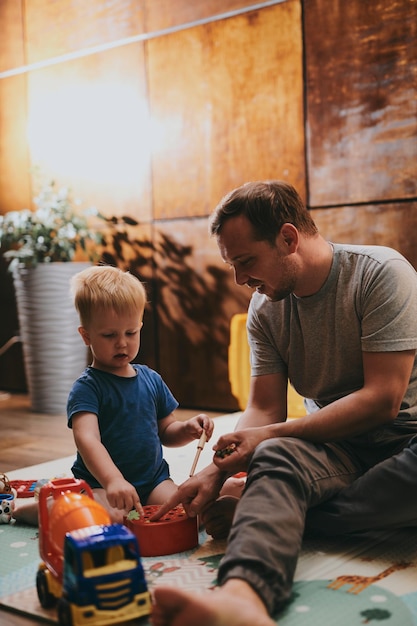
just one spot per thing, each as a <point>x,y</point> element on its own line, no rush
<point>359,583</point>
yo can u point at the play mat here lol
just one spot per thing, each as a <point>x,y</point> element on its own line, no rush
<point>371,579</point>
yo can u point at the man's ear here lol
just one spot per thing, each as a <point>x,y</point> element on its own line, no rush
<point>84,334</point>
<point>289,234</point>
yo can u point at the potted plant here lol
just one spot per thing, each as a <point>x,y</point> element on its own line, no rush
<point>44,248</point>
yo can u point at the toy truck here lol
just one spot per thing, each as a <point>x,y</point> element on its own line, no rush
<point>90,568</point>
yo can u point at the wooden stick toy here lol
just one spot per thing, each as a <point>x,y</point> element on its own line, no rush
<point>200,446</point>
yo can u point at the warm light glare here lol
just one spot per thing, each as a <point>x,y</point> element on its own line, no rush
<point>94,132</point>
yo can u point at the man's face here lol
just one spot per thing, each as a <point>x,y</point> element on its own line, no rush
<point>270,269</point>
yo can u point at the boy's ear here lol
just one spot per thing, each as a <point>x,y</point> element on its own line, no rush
<point>84,334</point>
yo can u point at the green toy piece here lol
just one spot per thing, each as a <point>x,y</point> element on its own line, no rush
<point>133,515</point>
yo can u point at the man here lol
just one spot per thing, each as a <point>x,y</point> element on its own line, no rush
<point>340,323</point>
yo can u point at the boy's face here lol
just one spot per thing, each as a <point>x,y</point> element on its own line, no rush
<point>114,340</point>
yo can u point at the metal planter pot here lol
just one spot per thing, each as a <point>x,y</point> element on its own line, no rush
<point>53,351</point>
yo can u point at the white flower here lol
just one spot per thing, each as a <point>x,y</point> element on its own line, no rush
<point>53,232</point>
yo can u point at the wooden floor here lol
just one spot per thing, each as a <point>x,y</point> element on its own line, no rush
<point>29,438</point>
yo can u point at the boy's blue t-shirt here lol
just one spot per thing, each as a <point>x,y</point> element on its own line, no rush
<point>128,410</point>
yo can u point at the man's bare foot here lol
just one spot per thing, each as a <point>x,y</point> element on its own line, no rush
<point>175,607</point>
<point>218,517</point>
<point>234,485</point>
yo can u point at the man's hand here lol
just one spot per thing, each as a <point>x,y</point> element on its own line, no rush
<point>234,451</point>
<point>195,493</point>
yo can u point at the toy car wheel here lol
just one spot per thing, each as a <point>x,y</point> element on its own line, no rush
<point>46,598</point>
<point>64,613</point>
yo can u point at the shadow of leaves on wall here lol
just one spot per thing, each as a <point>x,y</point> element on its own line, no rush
<point>199,304</point>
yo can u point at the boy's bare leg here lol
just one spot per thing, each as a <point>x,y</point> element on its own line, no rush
<point>162,492</point>
<point>26,511</point>
<point>233,604</point>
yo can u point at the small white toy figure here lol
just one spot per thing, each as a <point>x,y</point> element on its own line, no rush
<point>7,505</point>
<point>7,500</point>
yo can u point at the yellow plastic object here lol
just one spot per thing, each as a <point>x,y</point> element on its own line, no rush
<point>239,368</point>
<point>295,402</point>
<point>239,364</point>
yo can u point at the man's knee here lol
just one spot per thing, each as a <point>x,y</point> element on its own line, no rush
<point>283,448</point>
<point>315,471</point>
<point>282,455</point>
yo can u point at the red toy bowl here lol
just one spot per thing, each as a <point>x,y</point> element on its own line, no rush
<point>174,532</point>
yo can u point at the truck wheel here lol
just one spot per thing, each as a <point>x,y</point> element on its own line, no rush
<point>64,613</point>
<point>46,598</point>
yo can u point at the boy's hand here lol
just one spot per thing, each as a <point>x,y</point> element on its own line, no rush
<point>199,423</point>
<point>123,496</point>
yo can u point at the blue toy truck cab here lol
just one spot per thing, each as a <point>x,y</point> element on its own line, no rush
<point>102,575</point>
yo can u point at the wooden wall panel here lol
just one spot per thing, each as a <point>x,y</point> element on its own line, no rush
<point>361,70</point>
<point>161,129</point>
<point>392,225</point>
<point>88,127</point>
<point>226,106</point>
<point>57,28</point>
<point>14,162</point>
<point>161,14</point>
<point>196,298</point>
<point>11,35</point>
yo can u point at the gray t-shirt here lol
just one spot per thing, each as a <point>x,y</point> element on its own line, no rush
<point>367,304</point>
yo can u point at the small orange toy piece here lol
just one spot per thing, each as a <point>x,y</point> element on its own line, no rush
<point>174,532</point>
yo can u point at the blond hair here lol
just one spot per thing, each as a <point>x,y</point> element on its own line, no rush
<point>104,287</point>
